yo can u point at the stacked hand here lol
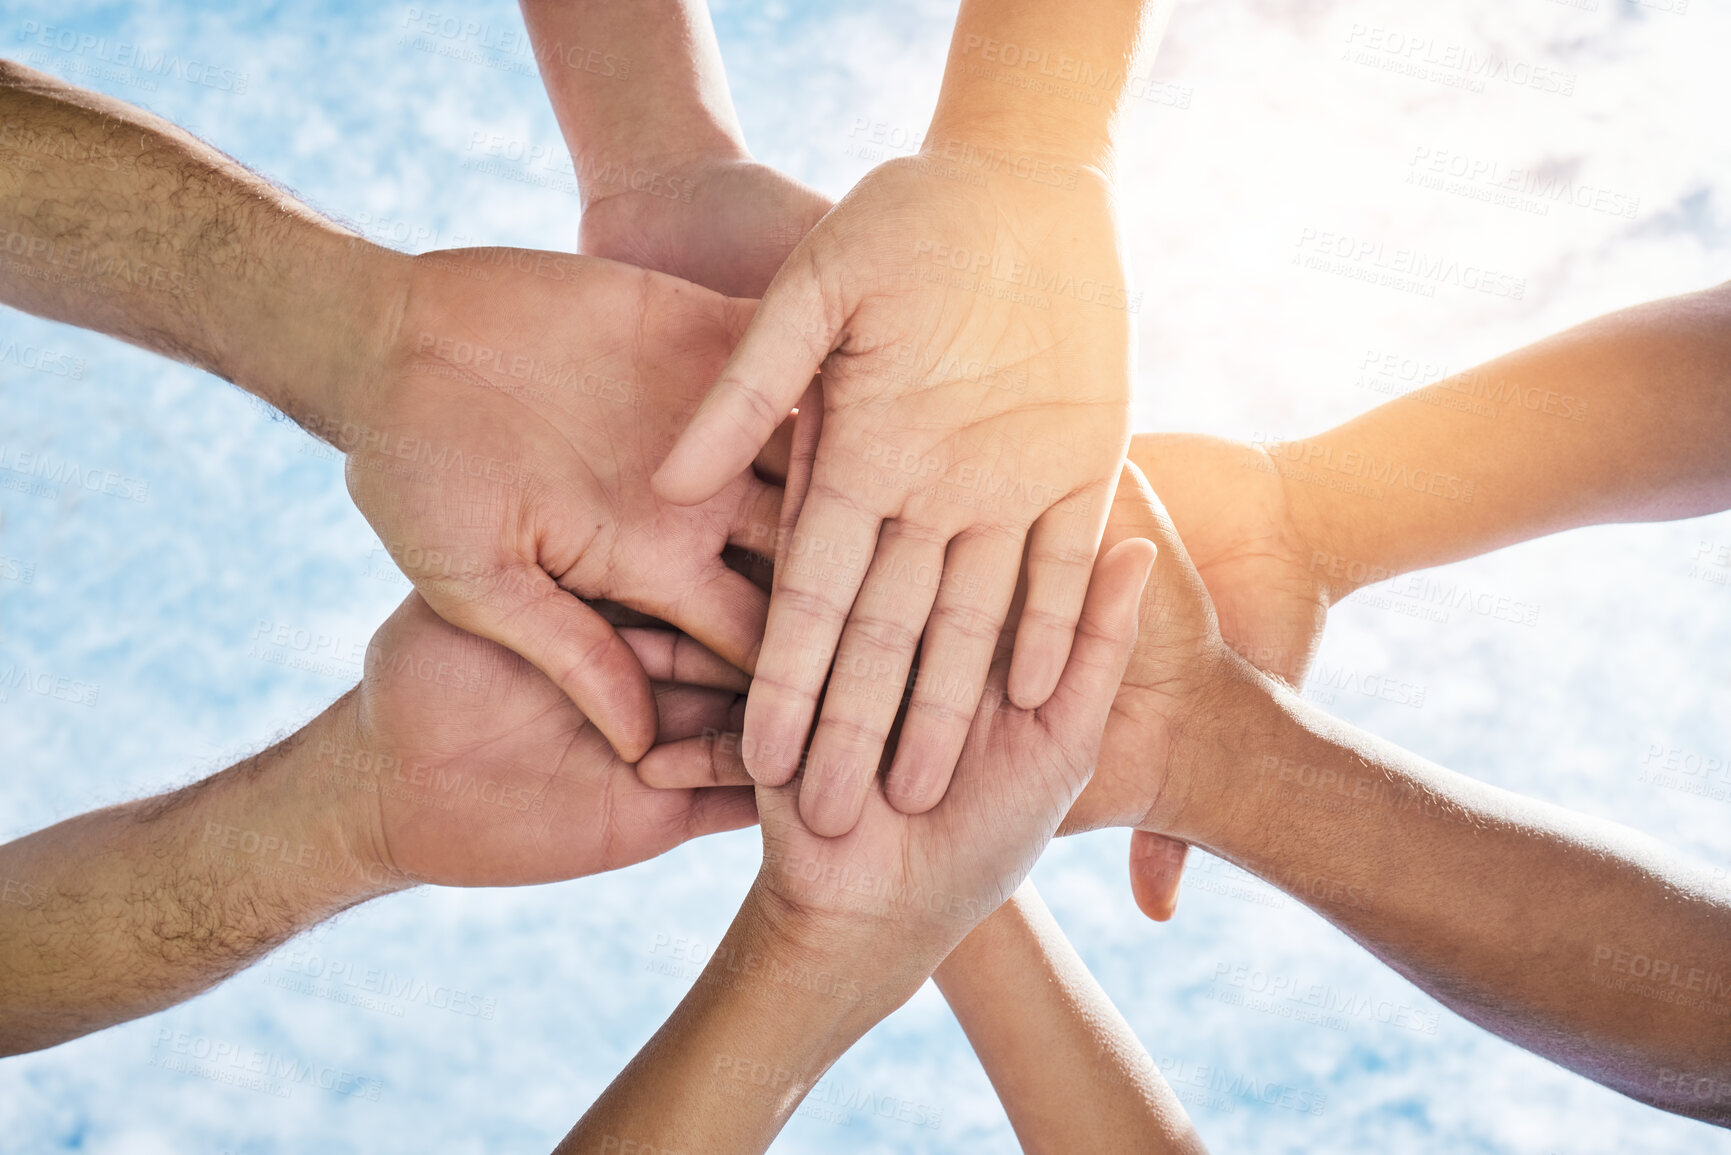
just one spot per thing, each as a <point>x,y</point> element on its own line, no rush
<point>502,451</point>
<point>975,377</point>
<point>481,772</point>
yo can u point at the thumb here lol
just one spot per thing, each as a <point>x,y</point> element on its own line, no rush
<point>570,643</point>
<point>1105,636</point>
<point>1156,867</point>
<point>774,361</point>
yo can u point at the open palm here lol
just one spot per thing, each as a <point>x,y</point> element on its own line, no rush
<point>975,352</point>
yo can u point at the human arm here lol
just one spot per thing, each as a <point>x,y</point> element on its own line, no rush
<point>969,311</point>
<point>661,161</point>
<point>117,220</point>
<point>1520,915</point>
<point>837,932</point>
<point>501,409</point>
<point>1071,1074</point>
<point>454,762</point>
<point>1621,418</point>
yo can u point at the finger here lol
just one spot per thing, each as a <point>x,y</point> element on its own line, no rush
<point>771,463</point>
<point>972,601</point>
<point>757,520</point>
<point>670,656</point>
<point>683,712</point>
<point>710,759</point>
<point>726,613</point>
<point>775,360</point>
<point>1061,550</point>
<point>870,674</point>
<point>570,643</point>
<point>820,571</point>
<point>715,811</point>
<point>1105,635</point>
<point>1156,867</point>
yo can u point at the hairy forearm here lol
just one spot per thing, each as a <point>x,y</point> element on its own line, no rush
<point>633,85</point>
<point>121,912</point>
<point>1581,940</point>
<point>118,221</point>
<point>1624,418</point>
<point>1039,78</point>
<point>773,1009</point>
<point>1070,1072</point>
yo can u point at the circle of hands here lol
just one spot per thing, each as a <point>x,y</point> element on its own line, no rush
<point>964,624</point>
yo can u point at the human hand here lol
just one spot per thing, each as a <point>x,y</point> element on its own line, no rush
<point>740,223</point>
<point>502,449</point>
<point>927,878</point>
<point>1013,415</point>
<point>1228,504</point>
<point>465,766</point>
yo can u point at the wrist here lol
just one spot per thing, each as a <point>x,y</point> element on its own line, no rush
<point>1036,80</point>
<point>798,988</point>
<point>297,821</point>
<point>668,174</point>
<point>333,318</point>
<point>1215,748</point>
<point>851,970</point>
<point>1325,527</point>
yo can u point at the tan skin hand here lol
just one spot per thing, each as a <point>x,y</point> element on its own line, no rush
<point>1229,507</point>
<point>478,771</point>
<point>503,453</point>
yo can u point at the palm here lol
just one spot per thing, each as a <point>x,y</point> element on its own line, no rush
<point>742,221</point>
<point>506,455</point>
<point>962,413</point>
<point>1020,771</point>
<point>485,774</point>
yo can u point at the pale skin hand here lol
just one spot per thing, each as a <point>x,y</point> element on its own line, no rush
<point>1230,507</point>
<point>1070,1072</point>
<point>1622,418</point>
<point>1519,915</point>
<point>454,762</point>
<point>859,910</point>
<point>502,409</point>
<point>662,165</point>
<point>968,418</point>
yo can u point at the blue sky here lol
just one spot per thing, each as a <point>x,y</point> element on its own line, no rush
<point>1262,124</point>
